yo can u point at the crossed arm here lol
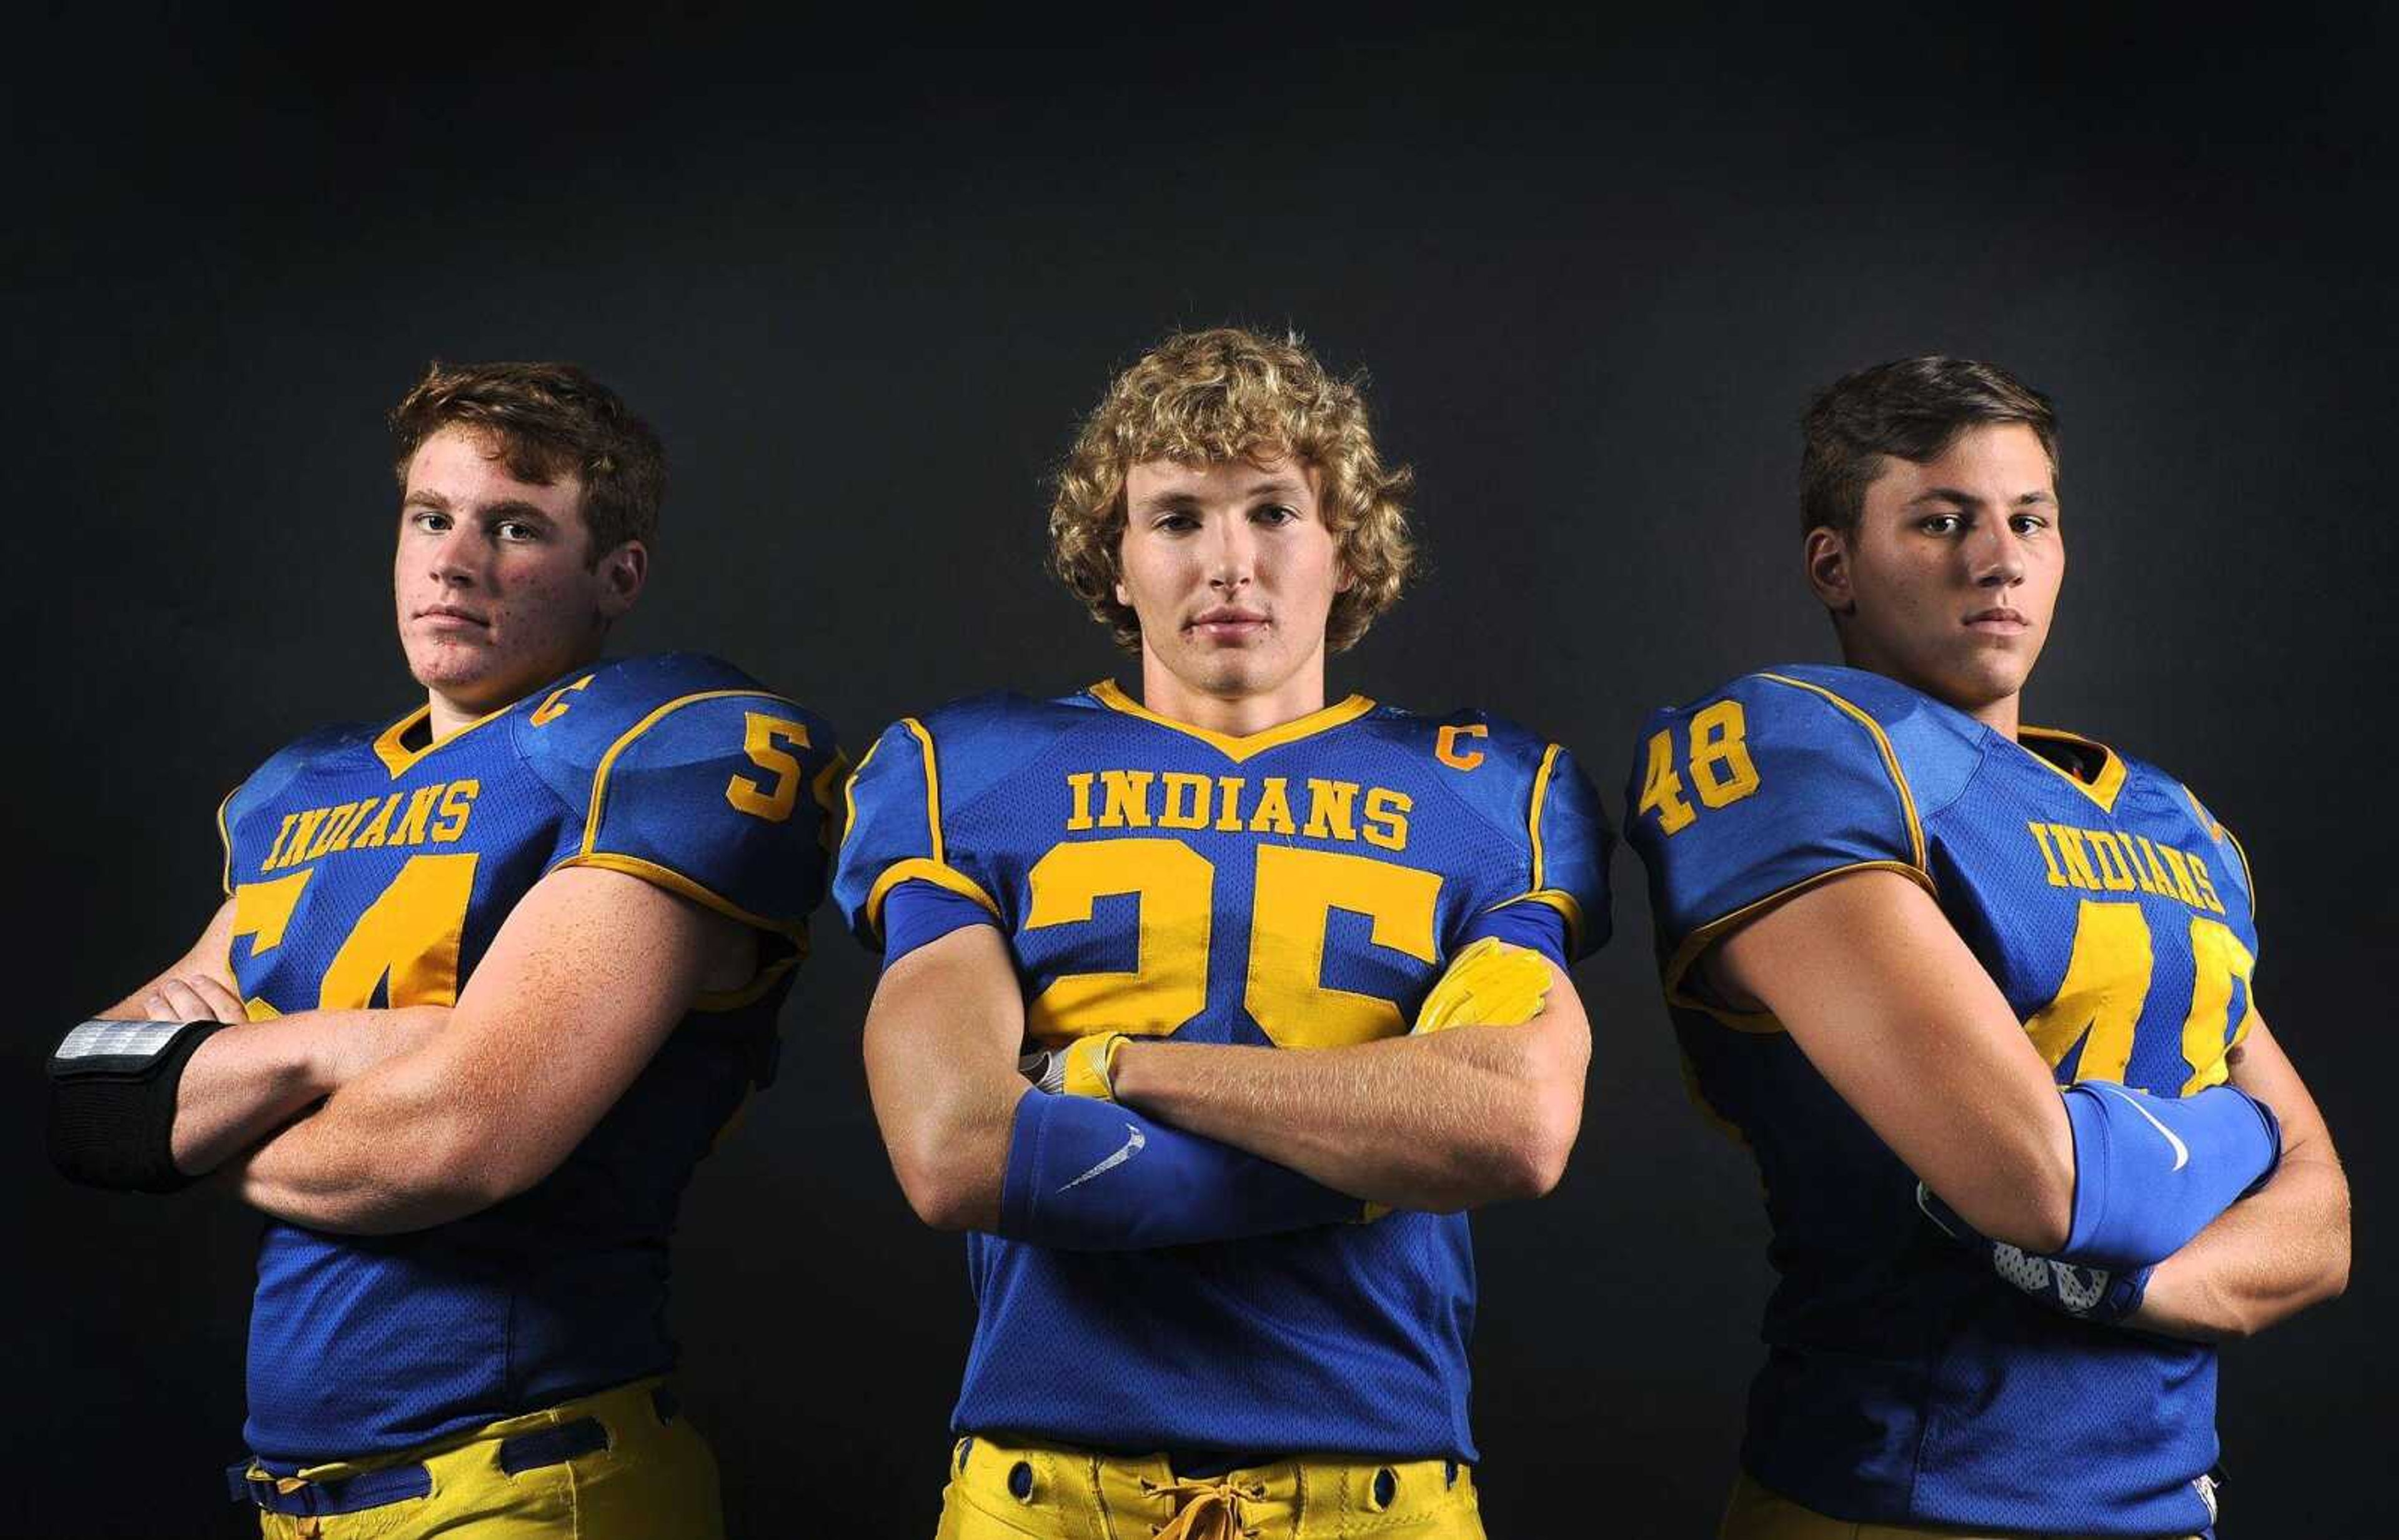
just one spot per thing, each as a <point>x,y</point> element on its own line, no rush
<point>1886,1002</point>
<point>432,1112</point>
<point>1441,1122</point>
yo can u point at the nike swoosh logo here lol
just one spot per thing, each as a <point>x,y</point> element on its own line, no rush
<point>1134,1142</point>
<point>2182,1151</point>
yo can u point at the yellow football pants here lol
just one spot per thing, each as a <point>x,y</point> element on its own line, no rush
<point>614,1465</point>
<point>1001,1491</point>
<point>1758,1513</point>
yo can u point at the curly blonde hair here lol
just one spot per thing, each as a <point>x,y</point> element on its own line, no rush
<point>1202,397</point>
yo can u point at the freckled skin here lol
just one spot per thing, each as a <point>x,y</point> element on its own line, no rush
<point>1942,542</point>
<point>515,558</point>
<point>1234,535</point>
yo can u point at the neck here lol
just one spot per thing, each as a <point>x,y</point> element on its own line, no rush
<point>445,716</point>
<point>2000,713</point>
<point>1234,715</point>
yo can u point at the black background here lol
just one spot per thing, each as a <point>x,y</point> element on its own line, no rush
<point>865,277</point>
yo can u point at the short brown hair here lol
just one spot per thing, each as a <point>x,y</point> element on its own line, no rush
<point>1202,397</point>
<point>1913,408</point>
<point>546,419</point>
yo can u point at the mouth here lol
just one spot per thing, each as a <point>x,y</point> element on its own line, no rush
<point>1227,624</point>
<point>448,618</point>
<point>2000,621</point>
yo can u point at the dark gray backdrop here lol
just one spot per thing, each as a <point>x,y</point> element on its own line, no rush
<point>865,280</point>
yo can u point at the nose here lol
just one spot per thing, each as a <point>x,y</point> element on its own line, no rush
<point>1995,557</point>
<point>456,556</point>
<point>1232,555</point>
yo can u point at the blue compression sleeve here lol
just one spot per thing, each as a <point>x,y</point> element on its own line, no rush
<point>2150,1171</point>
<point>916,912</point>
<point>1085,1175</point>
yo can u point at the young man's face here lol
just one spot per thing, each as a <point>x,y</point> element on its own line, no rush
<point>1952,574</point>
<point>494,579</point>
<point>1231,570</point>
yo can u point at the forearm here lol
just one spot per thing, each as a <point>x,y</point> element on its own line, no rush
<point>1437,1122</point>
<point>382,1154</point>
<point>2262,1261</point>
<point>250,1079</point>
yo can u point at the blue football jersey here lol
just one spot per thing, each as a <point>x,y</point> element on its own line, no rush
<point>1903,1381</point>
<point>368,872</point>
<point>1302,887</point>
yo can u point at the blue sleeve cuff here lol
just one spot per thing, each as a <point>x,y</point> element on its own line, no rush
<point>1529,924</point>
<point>915,914</point>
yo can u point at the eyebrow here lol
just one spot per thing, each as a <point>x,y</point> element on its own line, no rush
<point>1967,499</point>
<point>506,507</point>
<point>1274,487</point>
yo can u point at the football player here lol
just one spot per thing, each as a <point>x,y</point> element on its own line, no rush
<point>486,981</point>
<point>1221,1262</point>
<point>1978,996</point>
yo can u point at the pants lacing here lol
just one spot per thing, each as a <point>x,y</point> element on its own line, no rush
<point>1205,1510</point>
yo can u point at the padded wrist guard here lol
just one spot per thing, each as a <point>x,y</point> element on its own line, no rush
<point>112,1101</point>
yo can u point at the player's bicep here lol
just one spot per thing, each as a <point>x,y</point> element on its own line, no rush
<point>950,1010</point>
<point>1889,1005</point>
<point>588,976</point>
<point>941,1045</point>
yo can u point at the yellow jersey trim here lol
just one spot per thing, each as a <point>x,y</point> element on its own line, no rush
<point>675,882</point>
<point>932,789</point>
<point>1696,944</point>
<point>224,837</point>
<point>1889,764</point>
<point>849,791</point>
<point>624,741</point>
<point>2111,779</point>
<point>1533,819</point>
<point>1339,714</point>
<point>918,870</point>
<point>2215,827</point>
<point>399,759</point>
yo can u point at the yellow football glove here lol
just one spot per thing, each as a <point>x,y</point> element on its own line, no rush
<point>1489,985</point>
<point>1084,1067</point>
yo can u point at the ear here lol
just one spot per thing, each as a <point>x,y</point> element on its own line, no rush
<point>622,572</point>
<point>1828,555</point>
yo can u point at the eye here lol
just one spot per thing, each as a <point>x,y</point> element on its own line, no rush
<point>1177,522</point>
<point>1275,514</point>
<point>430,522</point>
<point>516,531</point>
<point>2028,523</point>
<point>1941,524</point>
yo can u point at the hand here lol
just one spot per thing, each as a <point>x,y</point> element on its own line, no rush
<point>192,997</point>
<point>2100,1295</point>
<point>1489,985</point>
<point>1084,1067</point>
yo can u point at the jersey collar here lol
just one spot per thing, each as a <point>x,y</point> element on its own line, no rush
<point>1239,749</point>
<point>391,743</point>
<point>2102,787</point>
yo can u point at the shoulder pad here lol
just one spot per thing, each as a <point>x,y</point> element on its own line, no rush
<point>685,771</point>
<point>277,772</point>
<point>1760,789</point>
<point>1535,798</point>
<point>909,788</point>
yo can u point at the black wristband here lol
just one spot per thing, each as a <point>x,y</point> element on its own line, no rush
<point>113,1087</point>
